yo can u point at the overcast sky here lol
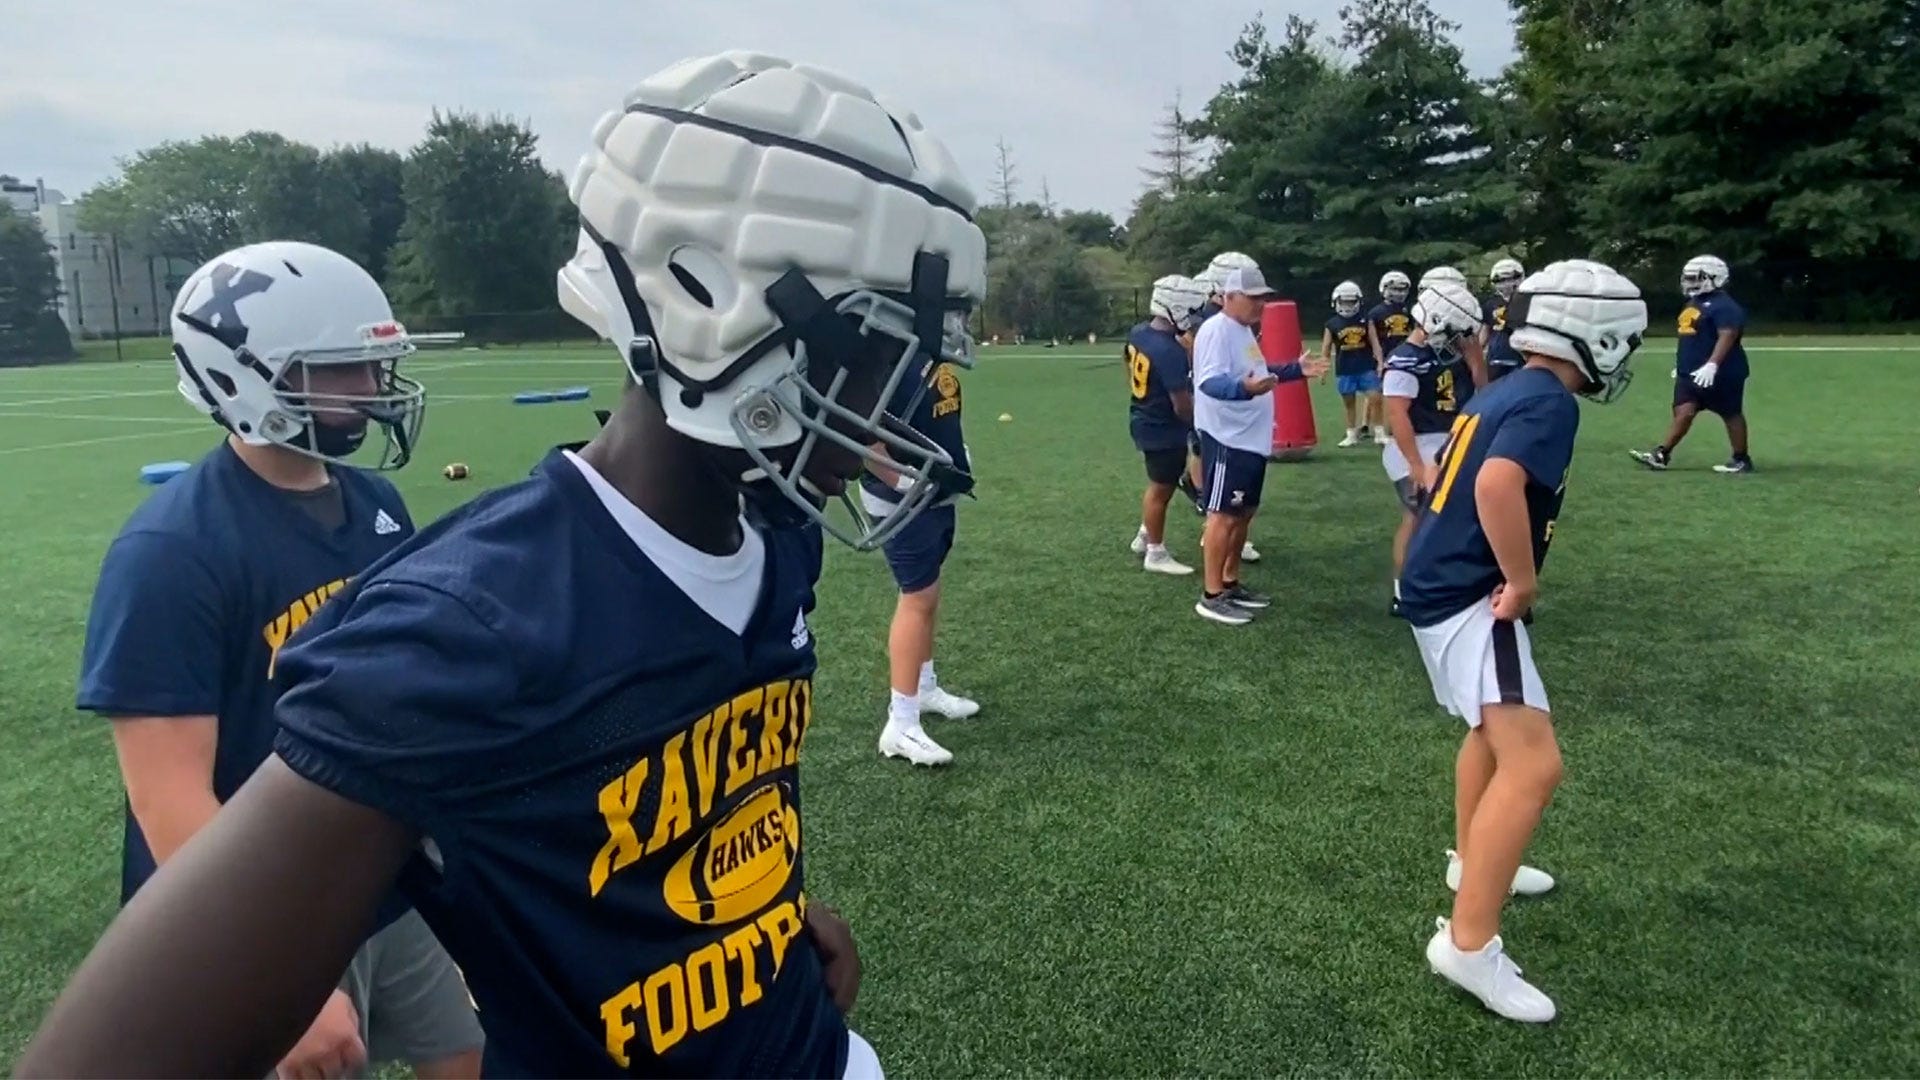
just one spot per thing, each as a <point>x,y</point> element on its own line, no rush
<point>1074,86</point>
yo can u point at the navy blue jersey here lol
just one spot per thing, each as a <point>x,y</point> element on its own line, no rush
<point>1529,417</point>
<point>1700,324</point>
<point>1391,323</point>
<point>1352,355</point>
<point>609,775</point>
<point>1207,311</point>
<point>1500,351</point>
<point>205,583</point>
<point>1158,367</point>
<point>936,415</point>
<point>1444,386</point>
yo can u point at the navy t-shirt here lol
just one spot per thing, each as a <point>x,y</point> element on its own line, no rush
<point>1444,386</point>
<point>936,415</point>
<point>609,776</point>
<point>1529,417</point>
<point>1157,368</point>
<point>206,582</point>
<point>1500,351</point>
<point>1392,323</point>
<point>1700,324</point>
<point>1351,353</point>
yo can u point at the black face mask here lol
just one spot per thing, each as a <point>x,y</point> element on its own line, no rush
<point>336,441</point>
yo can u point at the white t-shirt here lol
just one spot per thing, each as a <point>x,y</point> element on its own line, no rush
<point>725,586</point>
<point>1226,347</point>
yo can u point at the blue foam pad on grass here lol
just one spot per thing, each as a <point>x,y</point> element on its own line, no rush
<point>573,393</point>
<point>533,397</point>
<point>162,471</point>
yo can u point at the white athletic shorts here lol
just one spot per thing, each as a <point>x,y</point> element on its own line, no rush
<point>862,1062</point>
<point>1475,659</point>
<point>1395,462</point>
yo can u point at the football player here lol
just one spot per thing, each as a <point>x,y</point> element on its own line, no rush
<point>1160,416</point>
<point>293,351</point>
<point>1471,356</point>
<point>1494,335</point>
<point>915,554</point>
<point>1344,343</point>
<point>1426,386</point>
<point>1235,421</point>
<point>568,716</point>
<point>1711,371</point>
<point>1389,323</point>
<point>1470,581</point>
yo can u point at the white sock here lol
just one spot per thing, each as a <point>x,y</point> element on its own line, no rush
<point>1396,588</point>
<point>1142,534</point>
<point>927,681</point>
<point>1157,551</point>
<point>904,711</point>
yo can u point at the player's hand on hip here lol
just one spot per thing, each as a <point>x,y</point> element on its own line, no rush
<point>1512,602</point>
<point>330,1048</point>
<point>1703,377</point>
<point>833,939</point>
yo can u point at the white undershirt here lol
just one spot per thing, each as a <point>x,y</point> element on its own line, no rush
<point>726,587</point>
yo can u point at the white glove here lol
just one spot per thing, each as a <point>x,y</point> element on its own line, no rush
<point>1703,378</point>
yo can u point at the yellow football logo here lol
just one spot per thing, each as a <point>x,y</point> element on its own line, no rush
<point>945,382</point>
<point>741,864</point>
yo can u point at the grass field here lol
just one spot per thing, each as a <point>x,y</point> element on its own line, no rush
<point>1172,847</point>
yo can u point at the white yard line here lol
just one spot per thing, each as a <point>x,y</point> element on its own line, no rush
<point>197,429</point>
<point>97,419</point>
<point>67,397</point>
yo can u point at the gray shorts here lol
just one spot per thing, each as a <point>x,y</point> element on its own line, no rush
<point>412,1002</point>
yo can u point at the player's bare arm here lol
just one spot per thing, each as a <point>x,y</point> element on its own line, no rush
<point>167,762</point>
<point>1183,405</point>
<point>236,931</point>
<point>1723,345</point>
<point>1500,494</point>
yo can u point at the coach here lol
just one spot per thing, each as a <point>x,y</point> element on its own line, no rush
<point>1235,420</point>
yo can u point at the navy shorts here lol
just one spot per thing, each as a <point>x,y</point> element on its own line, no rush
<point>1165,467</point>
<point>1233,477</point>
<point>916,553</point>
<point>1726,397</point>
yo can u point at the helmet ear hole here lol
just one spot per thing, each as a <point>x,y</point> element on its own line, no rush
<point>703,276</point>
<point>223,383</point>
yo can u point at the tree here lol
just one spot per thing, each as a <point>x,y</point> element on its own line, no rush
<point>1005,185</point>
<point>375,177</point>
<point>1779,134</point>
<point>483,231</point>
<point>1037,282</point>
<point>1091,228</point>
<point>1174,153</point>
<point>30,330</point>
<point>184,200</point>
<point>293,193</point>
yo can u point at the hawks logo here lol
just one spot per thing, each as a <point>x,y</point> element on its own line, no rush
<point>741,864</point>
<point>947,385</point>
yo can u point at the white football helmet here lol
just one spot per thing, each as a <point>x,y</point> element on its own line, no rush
<point>250,324</point>
<point>1506,276</point>
<point>1442,273</point>
<point>1703,274</point>
<point>1448,312</point>
<point>1217,270</point>
<point>1585,313</point>
<point>1178,299</point>
<point>1395,287</point>
<point>761,239</point>
<point>1347,298</point>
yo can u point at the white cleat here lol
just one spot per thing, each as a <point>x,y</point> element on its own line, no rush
<point>914,745</point>
<point>1139,545</point>
<point>1164,563</point>
<point>1490,975</point>
<point>952,706</point>
<point>1247,552</point>
<point>1526,881</point>
<point>1380,437</point>
<point>1352,439</point>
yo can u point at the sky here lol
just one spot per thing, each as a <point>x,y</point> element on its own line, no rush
<point>1073,86</point>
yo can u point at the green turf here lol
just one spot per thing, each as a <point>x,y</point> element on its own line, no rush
<point>1171,847</point>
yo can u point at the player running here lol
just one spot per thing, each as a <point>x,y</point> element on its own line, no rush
<point>1344,343</point>
<point>568,717</point>
<point>1160,416</point>
<point>1710,373</point>
<point>1470,582</point>
<point>1426,386</point>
